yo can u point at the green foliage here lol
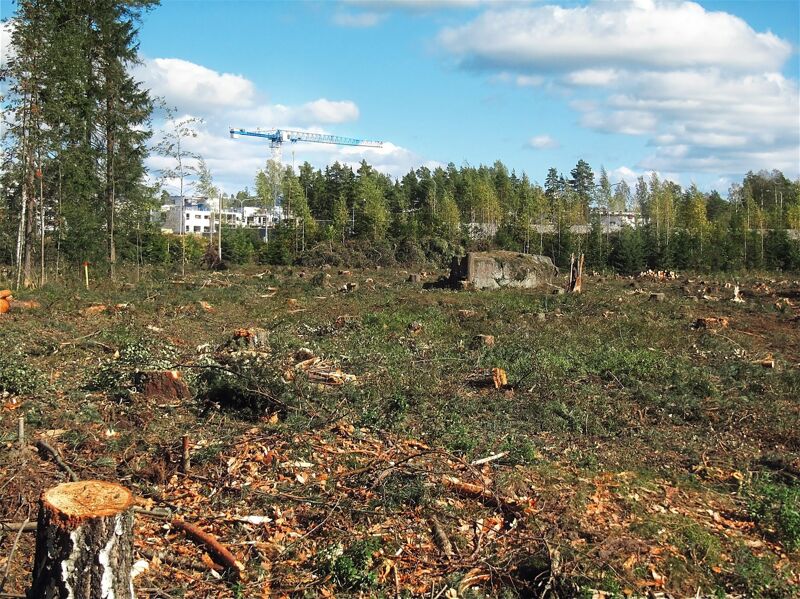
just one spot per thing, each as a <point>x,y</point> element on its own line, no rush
<point>758,576</point>
<point>280,247</point>
<point>627,251</point>
<point>17,376</point>
<point>239,246</point>
<point>776,507</point>
<point>193,246</point>
<point>244,381</point>
<point>70,73</point>
<point>351,568</point>
<point>117,376</point>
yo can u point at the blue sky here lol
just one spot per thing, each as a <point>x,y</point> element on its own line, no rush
<point>696,91</point>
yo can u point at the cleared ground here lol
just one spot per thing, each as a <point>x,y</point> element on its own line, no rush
<point>640,453</point>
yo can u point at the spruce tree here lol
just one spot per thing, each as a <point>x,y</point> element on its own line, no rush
<point>124,108</point>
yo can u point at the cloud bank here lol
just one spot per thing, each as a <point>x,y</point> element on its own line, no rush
<point>703,87</point>
<point>225,100</point>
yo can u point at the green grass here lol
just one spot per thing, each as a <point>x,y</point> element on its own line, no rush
<point>608,383</point>
<point>776,507</point>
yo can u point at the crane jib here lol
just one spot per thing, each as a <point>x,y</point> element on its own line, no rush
<point>279,136</point>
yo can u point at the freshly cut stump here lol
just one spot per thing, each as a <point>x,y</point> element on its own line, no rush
<point>84,542</point>
<point>166,385</point>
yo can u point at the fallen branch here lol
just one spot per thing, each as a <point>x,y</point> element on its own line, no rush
<point>490,458</point>
<point>11,556</point>
<point>484,495</point>
<point>219,551</point>
<point>157,513</point>
<point>18,526</point>
<point>45,447</point>
<point>440,537</point>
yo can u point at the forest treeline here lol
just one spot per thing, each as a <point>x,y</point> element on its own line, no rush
<point>78,130</point>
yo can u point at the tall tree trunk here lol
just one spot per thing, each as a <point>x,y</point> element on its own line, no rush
<point>30,226</point>
<point>110,200</point>
<point>41,222</point>
<point>21,237</point>
<point>26,218</point>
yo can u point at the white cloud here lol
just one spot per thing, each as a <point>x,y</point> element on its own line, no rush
<point>630,122</point>
<point>530,80</point>
<point>702,86</point>
<point>234,163</point>
<point>624,173</point>
<point>542,142</point>
<point>652,34</point>
<point>592,77</point>
<point>316,112</point>
<point>327,111</point>
<point>358,19</point>
<point>192,86</point>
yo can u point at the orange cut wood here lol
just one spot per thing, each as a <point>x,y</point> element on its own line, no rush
<point>4,306</point>
<point>78,501</point>
<point>499,378</point>
<point>5,293</point>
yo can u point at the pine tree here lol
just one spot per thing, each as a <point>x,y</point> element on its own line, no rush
<point>25,140</point>
<point>582,183</point>
<point>80,122</point>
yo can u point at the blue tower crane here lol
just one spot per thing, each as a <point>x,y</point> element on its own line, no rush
<point>278,137</point>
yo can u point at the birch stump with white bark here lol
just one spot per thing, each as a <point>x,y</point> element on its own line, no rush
<point>84,542</point>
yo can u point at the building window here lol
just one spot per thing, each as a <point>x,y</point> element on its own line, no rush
<point>197,229</point>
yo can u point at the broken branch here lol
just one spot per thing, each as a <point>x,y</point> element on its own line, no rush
<point>219,551</point>
<point>489,458</point>
<point>45,447</point>
<point>440,537</point>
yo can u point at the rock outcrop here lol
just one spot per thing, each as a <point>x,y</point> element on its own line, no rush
<point>496,269</point>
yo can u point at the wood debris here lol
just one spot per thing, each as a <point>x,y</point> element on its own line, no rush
<point>575,283</point>
<point>499,378</point>
<point>658,275</point>
<point>96,309</point>
<point>319,371</point>
<point>766,362</point>
<point>489,377</point>
<point>711,323</point>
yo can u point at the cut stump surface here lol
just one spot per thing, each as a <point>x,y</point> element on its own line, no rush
<point>84,542</point>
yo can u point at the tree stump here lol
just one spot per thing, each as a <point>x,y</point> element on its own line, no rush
<point>165,385</point>
<point>84,542</point>
<point>575,274</point>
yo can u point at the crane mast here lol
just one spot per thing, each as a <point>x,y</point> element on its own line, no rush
<point>278,137</point>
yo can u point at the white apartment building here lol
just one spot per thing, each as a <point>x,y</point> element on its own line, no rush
<point>199,216</point>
